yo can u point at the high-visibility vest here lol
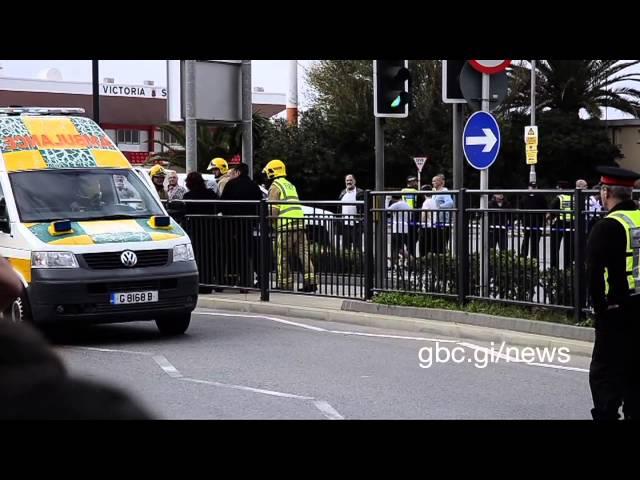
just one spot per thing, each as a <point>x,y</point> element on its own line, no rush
<point>288,213</point>
<point>630,220</point>
<point>566,204</point>
<point>410,199</point>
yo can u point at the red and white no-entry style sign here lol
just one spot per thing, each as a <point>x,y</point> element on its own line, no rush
<point>490,66</point>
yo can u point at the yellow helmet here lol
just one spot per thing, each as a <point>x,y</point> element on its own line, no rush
<point>219,163</point>
<point>157,170</point>
<point>275,169</point>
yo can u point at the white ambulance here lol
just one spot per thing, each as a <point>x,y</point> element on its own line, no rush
<point>89,239</point>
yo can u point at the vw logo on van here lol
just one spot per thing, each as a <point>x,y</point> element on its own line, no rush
<point>128,258</point>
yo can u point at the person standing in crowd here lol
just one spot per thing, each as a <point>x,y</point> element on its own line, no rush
<point>158,174</point>
<point>198,191</point>
<point>410,197</point>
<point>400,214</point>
<point>429,221</point>
<point>291,237</point>
<point>499,222</point>
<point>220,169</point>
<point>613,250</point>
<point>532,222</point>
<point>442,201</point>
<point>561,226</point>
<point>175,191</point>
<point>243,244</point>
<point>352,225</point>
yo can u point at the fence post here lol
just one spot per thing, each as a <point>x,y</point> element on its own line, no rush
<point>265,252</point>
<point>462,247</point>
<point>368,246</point>
<point>578,242</point>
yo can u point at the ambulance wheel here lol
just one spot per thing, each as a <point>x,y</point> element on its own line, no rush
<point>173,325</point>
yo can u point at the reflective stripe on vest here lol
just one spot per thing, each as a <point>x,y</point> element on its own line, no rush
<point>566,203</point>
<point>630,220</point>
<point>409,199</point>
<point>288,193</point>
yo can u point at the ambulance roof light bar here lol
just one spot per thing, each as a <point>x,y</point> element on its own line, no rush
<point>41,111</point>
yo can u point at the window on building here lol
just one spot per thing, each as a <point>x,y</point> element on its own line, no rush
<point>168,138</point>
<point>130,137</point>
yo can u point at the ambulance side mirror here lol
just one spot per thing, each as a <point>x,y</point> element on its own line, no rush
<point>5,226</point>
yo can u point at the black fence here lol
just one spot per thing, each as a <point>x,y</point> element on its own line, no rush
<point>460,244</point>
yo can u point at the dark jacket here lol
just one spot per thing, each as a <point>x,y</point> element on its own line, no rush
<point>607,248</point>
<point>496,218</point>
<point>201,208</point>
<point>241,188</point>
<point>533,201</point>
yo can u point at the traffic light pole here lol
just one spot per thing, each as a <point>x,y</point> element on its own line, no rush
<point>484,201</point>
<point>379,200</point>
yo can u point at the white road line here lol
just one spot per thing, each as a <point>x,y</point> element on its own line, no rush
<point>397,337</point>
<point>166,366</point>
<point>249,389</point>
<point>394,337</point>
<point>109,350</point>
<point>511,359</point>
<point>327,410</point>
<point>273,319</point>
<point>318,329</point>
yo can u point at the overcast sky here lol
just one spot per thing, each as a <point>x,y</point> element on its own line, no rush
<point>272,75</point>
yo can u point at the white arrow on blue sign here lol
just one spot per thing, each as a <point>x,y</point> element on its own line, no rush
<point>481,140</point>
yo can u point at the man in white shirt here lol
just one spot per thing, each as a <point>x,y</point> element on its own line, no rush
<point>352,214</point>
<point>400,212</point>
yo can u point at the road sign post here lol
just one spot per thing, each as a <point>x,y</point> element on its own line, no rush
<point>484,203</point>
<point>419,161</point>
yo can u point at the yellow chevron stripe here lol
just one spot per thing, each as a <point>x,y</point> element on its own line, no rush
<point>156,236</point>
<point>24,160</point>
<point>110,159</point>
<point>50,126</point>
<point>77,240</point>
<point>22,265</point>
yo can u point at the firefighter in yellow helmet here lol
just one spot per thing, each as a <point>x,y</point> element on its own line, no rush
<point>220,169</point>
<point>291,238</point>
<point>158,174</point>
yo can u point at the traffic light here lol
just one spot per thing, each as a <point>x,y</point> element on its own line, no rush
<point>391,94</point>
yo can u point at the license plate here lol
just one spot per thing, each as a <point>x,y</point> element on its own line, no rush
<point>134,297</point>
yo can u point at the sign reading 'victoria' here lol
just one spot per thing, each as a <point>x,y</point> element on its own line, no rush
<point>113,90</point>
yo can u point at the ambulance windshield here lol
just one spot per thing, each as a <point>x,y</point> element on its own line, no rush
<point>81,194</point>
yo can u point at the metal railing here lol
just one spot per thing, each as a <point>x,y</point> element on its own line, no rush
<point>514,254</point>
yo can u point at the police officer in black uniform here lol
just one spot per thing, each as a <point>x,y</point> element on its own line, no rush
<point>613,250</point>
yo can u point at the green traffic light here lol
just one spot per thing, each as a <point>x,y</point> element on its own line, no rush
<point>396,102</point>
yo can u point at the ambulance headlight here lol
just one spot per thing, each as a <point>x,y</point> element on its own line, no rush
<point>183,253</point>
<point>53,260</point>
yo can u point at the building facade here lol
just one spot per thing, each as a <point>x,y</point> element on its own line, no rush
<point>129,114</point>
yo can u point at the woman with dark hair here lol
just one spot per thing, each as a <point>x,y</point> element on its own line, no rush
<point>198,191</point>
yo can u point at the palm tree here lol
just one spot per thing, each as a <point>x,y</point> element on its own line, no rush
<point>212,142</point>
<point>568,86</point>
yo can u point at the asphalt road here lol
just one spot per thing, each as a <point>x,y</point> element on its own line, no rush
<point>237,366</point>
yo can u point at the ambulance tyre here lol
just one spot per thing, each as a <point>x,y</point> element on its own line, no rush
<point>173,325</point>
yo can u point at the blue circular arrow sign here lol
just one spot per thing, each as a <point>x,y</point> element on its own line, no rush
<point>481,140</point>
